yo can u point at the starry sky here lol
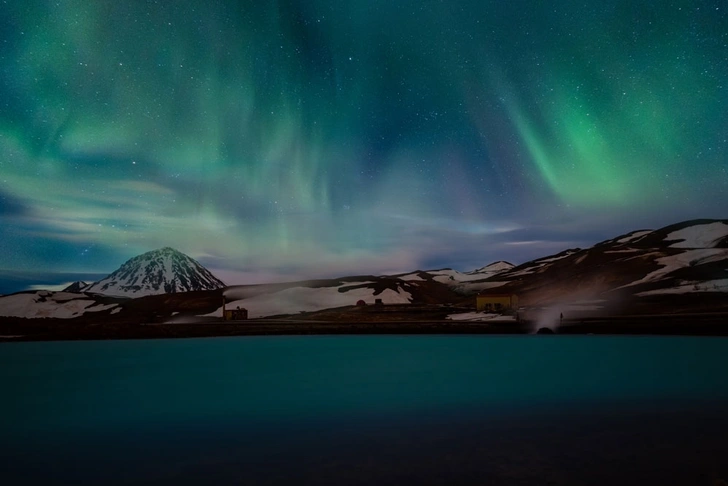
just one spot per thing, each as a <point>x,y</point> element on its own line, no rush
<point>293,139</point>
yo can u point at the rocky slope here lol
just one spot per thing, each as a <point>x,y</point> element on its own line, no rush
<point>678,260</point>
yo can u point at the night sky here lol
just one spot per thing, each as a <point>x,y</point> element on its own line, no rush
<point>289,139</point>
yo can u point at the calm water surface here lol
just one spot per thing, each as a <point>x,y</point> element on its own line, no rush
<point>522,410</point>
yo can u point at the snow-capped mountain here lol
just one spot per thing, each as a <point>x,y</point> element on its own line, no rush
<point>160,271</point>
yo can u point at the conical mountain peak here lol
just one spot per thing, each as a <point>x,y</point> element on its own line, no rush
<point>160,271</point>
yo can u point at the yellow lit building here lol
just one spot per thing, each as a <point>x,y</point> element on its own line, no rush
<point>496,302</point>
<point>235,314</point>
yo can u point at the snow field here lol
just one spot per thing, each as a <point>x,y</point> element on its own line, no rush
<point>47,304</point>
<point>698,236</point>
<point>306,299</point>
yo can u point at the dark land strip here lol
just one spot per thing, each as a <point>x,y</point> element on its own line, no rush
<point>709,324</point>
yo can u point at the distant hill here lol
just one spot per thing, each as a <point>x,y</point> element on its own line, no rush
<point>77,286</point>
<point>492,269</point>
<point>454,278</point>
<point>683,259</point>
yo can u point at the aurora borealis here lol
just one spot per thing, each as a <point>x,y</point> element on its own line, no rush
<point>310,138</point>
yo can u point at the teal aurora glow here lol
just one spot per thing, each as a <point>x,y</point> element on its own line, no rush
<point>296,138</point>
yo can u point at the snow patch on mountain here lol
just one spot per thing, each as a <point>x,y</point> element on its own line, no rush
<point>492,269</point>
<point>681,260</point>
<point>449,276</point>
<point>691,287</point>
<point>453,278</point>
<point>160,271</point>
<point>634,236</point>
<point>412,277</point>
<point>698,236</point>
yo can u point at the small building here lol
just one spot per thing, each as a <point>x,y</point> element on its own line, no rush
<point>496,302</point>
<point>237,314</point>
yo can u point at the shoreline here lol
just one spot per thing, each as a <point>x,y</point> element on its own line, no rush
<point>714,324</point>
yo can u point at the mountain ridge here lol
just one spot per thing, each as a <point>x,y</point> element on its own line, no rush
<point>682,267</point>
<point>682,258</point>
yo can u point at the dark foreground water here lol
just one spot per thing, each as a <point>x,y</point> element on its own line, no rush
<point>338,410</point>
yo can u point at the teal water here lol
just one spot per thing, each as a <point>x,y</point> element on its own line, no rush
<point>366,410</point>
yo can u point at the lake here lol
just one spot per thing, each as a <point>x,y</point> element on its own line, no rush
<point>334,410</point>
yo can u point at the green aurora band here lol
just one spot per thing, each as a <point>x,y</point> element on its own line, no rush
<point>308,138</point>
